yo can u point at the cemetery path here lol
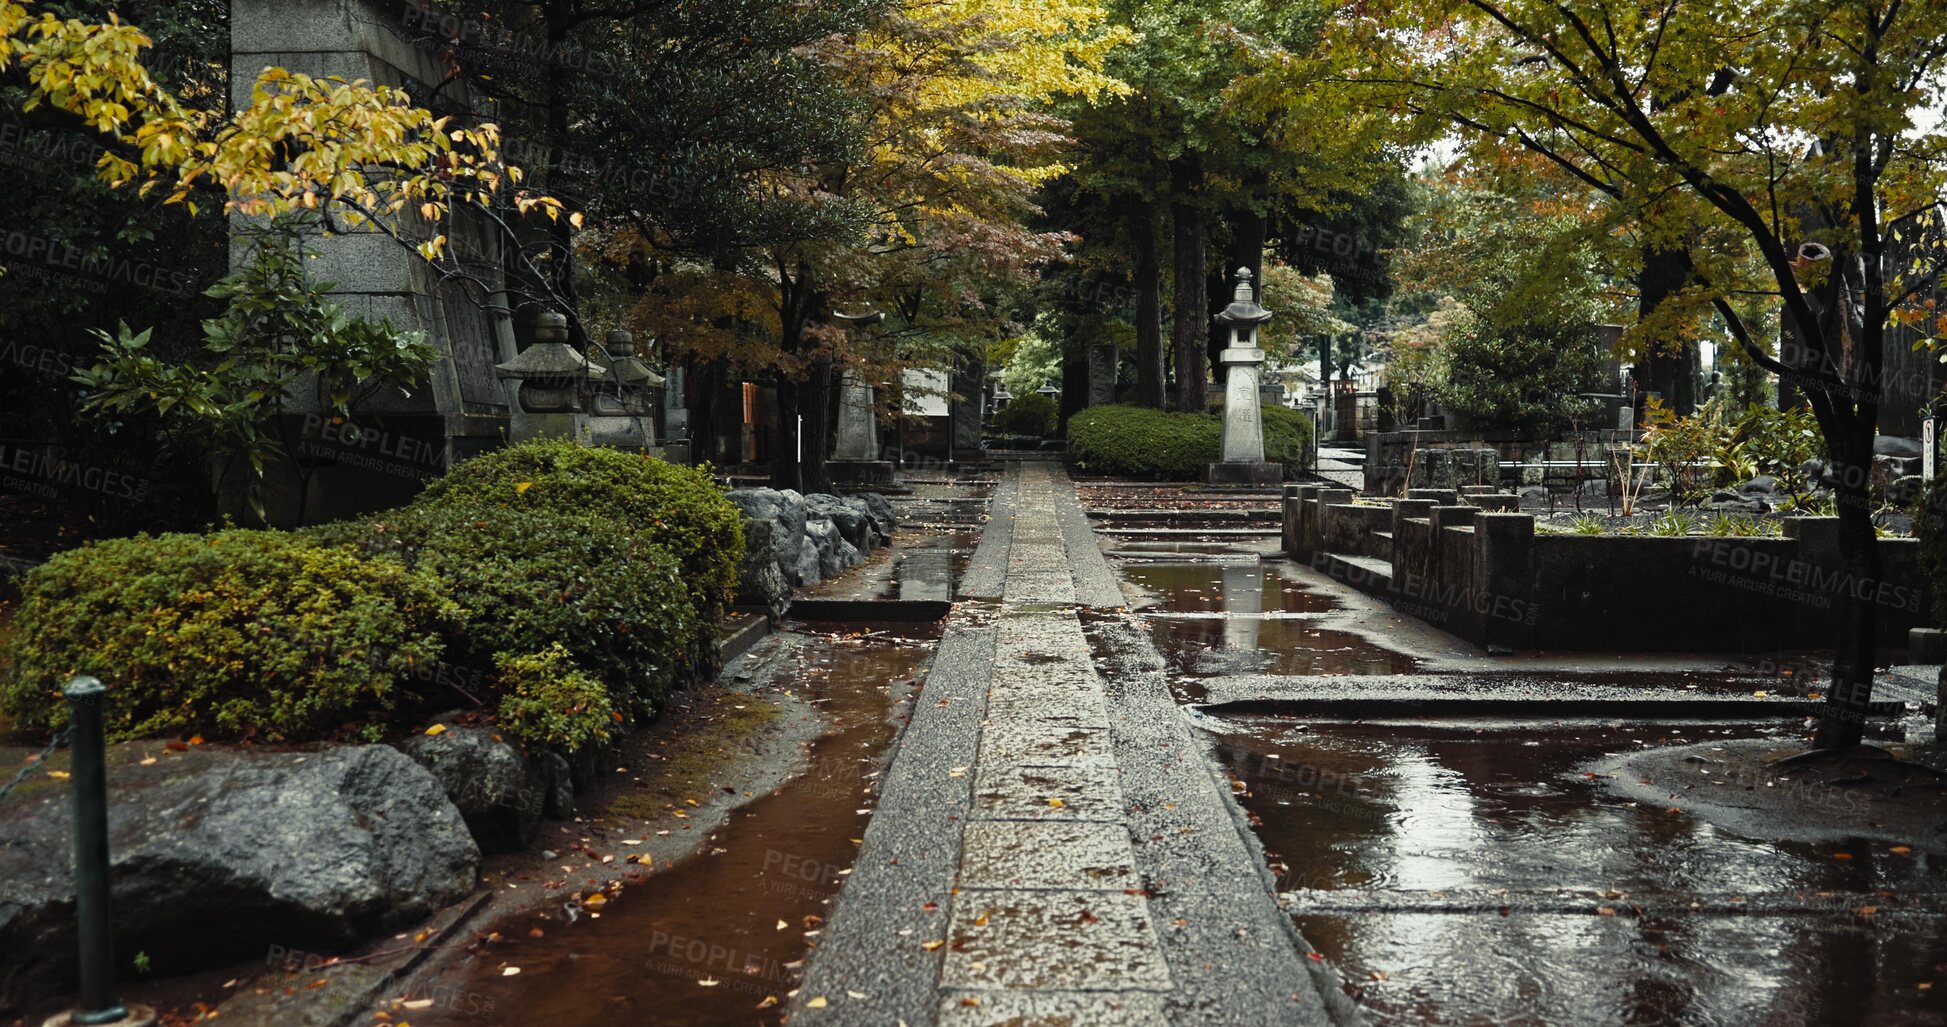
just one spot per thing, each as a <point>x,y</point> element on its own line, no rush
<point>1054,845</point>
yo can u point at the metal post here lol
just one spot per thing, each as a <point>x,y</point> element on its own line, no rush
<point>99,1004</point>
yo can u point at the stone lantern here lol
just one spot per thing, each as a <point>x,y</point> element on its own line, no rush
<point>622,413</point>
<point>1242,460</point>
<point>552,377</point>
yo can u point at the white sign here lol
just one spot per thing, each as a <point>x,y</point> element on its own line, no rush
<point>926,393</point>
<point>1928,442</point>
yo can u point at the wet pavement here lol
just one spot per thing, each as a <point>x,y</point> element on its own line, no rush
<point>1050,848</point>
<point>720,938</point>
<point>1457,867</point>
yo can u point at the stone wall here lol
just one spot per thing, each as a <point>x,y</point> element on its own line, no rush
<point>1490,578</point>
<point>401,440</point>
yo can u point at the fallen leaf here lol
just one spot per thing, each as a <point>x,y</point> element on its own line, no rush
<point>1842,855</point>
<point>769,1001</point>
<point>1056,803</point>
<point>1605,910</point>
<point>1900,850</point>
<point>436,729</point>
<point>510,971</point>
<point>709,982</point>
<point>817,1002</point>
<point>522,486</point>
<point>417,1004</point>
<point>931,945</point>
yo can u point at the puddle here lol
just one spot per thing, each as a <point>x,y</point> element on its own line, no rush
<point>1237,644</point>
<point>713,917</point>
<point>1214,588</point>
<point>1455,876</point>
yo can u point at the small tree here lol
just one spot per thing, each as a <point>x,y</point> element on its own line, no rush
<point>280,335</point>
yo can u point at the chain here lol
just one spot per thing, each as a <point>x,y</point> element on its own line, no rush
<point>59,739</point>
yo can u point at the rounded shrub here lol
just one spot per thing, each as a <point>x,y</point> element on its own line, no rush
<point>545,700</point>
<point>1287,438</point>
<point>234,634</point>
<point>525,579</point>
<point>677,508</point>
<point>1140,442</point>
<point>1032,414</point>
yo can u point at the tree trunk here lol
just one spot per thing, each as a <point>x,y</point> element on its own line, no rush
<point>1668,369</point>
<point>1074,381</point>
<point>1191,304</point>
<point>786,471</point>
<point>1844,720</point>
<point>818,413</point>
<point>1149,304</point>
<point>560,234</point>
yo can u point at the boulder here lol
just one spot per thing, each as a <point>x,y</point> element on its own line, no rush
<point>880,509</point>
<point>219,854</point>
<point>558,799</point>
<point>850,517</point>
<point>1763,483</point>
<point>785,509</point>
<point>498,790</point>
<point>761,580</point>
<point>804,569</point>
<point>843,556</point>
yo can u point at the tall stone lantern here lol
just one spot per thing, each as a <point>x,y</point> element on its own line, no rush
<point>1243,453</point>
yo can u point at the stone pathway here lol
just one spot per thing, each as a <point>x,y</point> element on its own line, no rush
<point>1054,847</point>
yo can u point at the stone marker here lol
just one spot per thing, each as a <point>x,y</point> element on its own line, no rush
<point>1101,374</point>
<point>1243,453</point>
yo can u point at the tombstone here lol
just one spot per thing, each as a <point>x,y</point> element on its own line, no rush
<point>1243,460</point>
<point>855,456</point>
<point>1102,360</point>
<point>968,409</point>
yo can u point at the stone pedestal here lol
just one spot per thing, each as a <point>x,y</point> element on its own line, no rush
<point>858,428</point>
<point>855,457</point>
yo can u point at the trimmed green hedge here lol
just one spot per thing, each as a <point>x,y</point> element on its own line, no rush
<point>1032,414</point>
<point>1138,442</point>
<point>236,634</point>
<point>563,587</point>
<point>678,508</point>
<point>525,579</point>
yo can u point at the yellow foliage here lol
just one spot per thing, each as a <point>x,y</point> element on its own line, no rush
<point>300,143</point>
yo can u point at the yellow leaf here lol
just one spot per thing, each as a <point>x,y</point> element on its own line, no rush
<point>816,1003</point>
<point>522,486</point>
<point>436,729</point>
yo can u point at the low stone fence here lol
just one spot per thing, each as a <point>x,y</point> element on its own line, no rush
<point>1456,459</point>
<point>1487,576</point>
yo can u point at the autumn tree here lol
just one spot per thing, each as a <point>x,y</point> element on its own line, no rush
<point>1788,126</point>
<point>343,155</point>
<point>957,135</point>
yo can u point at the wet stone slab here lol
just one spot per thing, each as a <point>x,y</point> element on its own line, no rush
<point>1060,703</point>
<point>1047,793</point>
<point>1096,941</point>
<point>1048,854</point>
<point>1049,1009</point>
<point>1044,743</point>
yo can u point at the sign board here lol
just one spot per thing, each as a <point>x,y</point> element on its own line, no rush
<point>1929,447</point>
<point>926,393</point>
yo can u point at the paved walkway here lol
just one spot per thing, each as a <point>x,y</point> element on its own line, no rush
<point>1053,846</point>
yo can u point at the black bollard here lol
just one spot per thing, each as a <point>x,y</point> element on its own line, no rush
<point>99,1003</point>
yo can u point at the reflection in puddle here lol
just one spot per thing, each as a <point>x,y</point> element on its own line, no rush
<point>1205,647</point>
<point>1456,877</point>
<point>1210,587</point>
<point>714,917</point>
